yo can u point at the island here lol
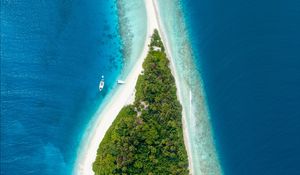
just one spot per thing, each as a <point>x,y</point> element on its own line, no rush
<point>147,137</point>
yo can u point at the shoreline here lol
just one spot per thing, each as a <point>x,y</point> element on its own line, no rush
<point>123,95</point>
<point>161,31</point>
<point>198,136</point>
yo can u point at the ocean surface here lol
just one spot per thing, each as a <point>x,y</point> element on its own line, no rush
<point>239,62</point>
<point>53,54</point>
<point>248,54</point>
<point>133,31</point>
<point>196,117</point>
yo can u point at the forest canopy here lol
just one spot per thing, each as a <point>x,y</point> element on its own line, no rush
<point>147,137</point>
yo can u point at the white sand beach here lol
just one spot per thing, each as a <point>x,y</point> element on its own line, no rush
<point>162,33</point>
<point>122,96</point>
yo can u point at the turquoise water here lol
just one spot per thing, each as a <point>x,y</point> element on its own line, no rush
<point>52,56</point>
<point>133,33</point>
<point>133,29</point>
<point>238,62</point>
<point>203,153</point>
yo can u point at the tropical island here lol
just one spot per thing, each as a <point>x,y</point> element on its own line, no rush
<point>138,130</point>
<point>147,137</point>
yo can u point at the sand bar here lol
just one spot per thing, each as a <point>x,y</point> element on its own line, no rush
<point>122,96</point>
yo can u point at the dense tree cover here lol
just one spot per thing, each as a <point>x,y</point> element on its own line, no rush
<point>146,137</point>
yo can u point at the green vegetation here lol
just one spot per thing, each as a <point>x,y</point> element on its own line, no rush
<point>146,137</point>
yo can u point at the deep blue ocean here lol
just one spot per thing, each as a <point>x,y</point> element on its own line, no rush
<point>53,54</point>
<point>248,53</point>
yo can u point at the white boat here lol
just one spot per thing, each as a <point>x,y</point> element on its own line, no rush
<point>101,84</point>
<point>121,82</point>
